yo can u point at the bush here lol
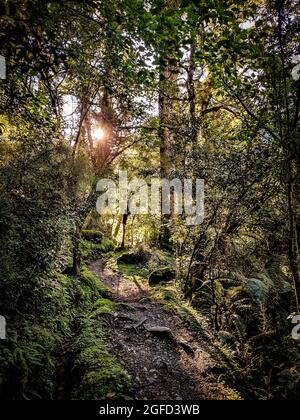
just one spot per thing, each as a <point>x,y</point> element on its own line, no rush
<point>27,363</point>
<point>94,236</point>
<point>91,251</point>
<point>107,246</point>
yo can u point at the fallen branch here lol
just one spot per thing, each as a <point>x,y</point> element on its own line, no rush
<point>137,325</point>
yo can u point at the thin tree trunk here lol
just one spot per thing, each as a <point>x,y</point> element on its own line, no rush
<point>192,96</point>
<point>76,251</point>
<point>124,223</point>
<point>293,242</point>
<point>117,228</point>
<point>164,236</point>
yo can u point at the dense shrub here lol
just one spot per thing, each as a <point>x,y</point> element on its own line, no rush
<point>36,359</point>
<point>94,236</point>
<point>250,316</point>
<point>91,251</point>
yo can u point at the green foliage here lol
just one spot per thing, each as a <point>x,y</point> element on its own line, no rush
<point>92,282</point>
<point>104,306</point>
<point>228,113</point>
<point>251,318</point>
<point>107,245</point>
<point>28,363</point>
<point>36,354</point>
<point>131,270</point>
<point>91,251</point>
<point>32,220</point>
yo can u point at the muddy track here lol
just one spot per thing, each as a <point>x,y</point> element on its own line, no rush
<point>163,365</point>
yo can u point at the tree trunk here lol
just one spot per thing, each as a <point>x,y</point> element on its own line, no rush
<point>117,228</point>
<point>192,96</point>
<point>124,223</point>
<point>164,235</point>
<point>76,252</point>
<point>293,242</point>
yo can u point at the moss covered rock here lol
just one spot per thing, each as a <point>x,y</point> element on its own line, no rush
<point>133,258</point>
<point>162,275</point>
<point>96,374</point>
<point>106,381</point>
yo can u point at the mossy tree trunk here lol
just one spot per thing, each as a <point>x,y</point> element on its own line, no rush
<point>76,251</point>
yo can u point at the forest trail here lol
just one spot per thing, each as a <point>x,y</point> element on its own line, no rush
<point>163,366</point>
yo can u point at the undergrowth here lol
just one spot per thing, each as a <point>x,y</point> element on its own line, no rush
<point>63,352</point>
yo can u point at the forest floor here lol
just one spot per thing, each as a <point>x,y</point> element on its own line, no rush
<point>164,357</point>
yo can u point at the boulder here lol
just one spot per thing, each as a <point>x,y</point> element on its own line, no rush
<point>162,275</point>
<point>133,258</point>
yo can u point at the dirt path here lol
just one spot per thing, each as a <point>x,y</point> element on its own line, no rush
<point>163,366</point>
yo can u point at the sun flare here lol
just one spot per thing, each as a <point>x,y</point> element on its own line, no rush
<point>99,134</point>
